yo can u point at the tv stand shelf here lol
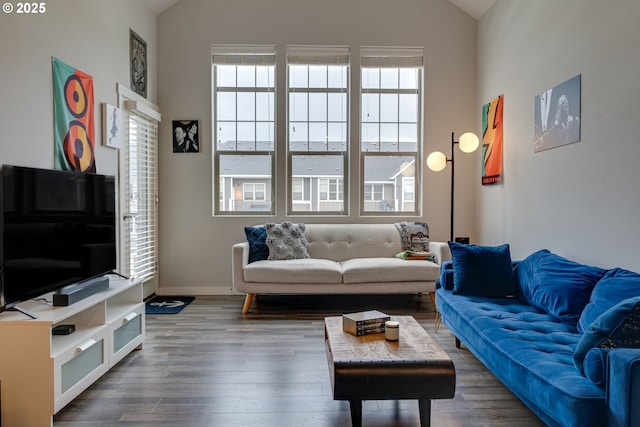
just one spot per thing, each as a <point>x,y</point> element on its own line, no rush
<point>40,373</point>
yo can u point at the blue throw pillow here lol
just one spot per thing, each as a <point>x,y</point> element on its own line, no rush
<point>482,270</point>
<point>556,285</point>
<point>617,327</point>
<point>257,239</point>
<point>595,365</point>
<point>616,285</point>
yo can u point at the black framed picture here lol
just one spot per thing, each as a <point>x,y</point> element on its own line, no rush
<point>138,62</point>
<point>185,136</point>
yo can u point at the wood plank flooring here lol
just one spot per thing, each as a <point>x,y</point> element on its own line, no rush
<point>210,366</point>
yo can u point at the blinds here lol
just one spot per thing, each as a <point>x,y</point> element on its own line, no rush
<point>141,188</point>
<point>312,55</point>
<point>395,57</point>
<point>243,54</point>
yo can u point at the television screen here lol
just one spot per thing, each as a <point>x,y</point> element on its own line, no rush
<point>58,228</point>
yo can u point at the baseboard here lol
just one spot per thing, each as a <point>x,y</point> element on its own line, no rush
<point>195,290</point>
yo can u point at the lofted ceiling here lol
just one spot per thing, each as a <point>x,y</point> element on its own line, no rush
<point>474,8</point>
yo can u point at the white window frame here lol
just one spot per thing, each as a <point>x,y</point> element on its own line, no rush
<point>406,181</point>
<point>315,57</point>
<point>338,184</point>
<point>295,182</point>
<point>381,59</point>
<point>243,56</point>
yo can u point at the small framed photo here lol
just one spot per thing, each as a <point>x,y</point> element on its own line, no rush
<point>138,63</point>
<point>112,126</point>
<point>185,136</point>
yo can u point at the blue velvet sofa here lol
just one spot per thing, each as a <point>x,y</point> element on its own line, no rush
<point>562,336</point>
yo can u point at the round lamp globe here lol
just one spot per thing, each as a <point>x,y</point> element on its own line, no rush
<point>468,142</point>
<point>437,161</point>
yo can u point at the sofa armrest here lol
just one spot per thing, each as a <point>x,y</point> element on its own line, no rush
<point>623,387</point>
<point>446,276</point>
<point>441,251</point>
<point>239,259</point>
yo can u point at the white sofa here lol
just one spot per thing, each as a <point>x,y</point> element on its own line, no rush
<point>345,259</point>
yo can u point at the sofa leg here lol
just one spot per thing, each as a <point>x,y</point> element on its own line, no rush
<point>436,326</point>
<point>247,303</point>
<point>457,342</point>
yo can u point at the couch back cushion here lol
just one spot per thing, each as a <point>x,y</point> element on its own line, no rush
<point>556,285</point>
<point>340,242</point>
<point>617,285</point>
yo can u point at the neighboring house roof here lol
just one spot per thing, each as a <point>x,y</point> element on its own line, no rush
<point>379,169</point>
<point>385,168</point>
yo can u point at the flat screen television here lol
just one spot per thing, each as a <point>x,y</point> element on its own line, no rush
<point>58,229</point>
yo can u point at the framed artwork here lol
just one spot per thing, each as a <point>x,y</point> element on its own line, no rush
<point>557,115</point>
<point>111,126</point>
<point>185,136</point>
<point>492,141</point>
<point>138,63</point>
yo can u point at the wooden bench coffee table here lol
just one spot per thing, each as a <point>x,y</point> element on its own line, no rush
<point>371,368</point>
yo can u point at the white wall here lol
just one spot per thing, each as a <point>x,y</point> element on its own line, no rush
<point>579,200</point>
<point>91,35</point>
<point>195,248</point>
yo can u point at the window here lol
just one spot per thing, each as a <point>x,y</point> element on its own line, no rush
<point>243,128</point>
<point>407,189</point>
<point>317,115</point>
<point>390,128</point>
<point>297,189</point>
<point>331,189</point>
<point>253,191</point>
<point>373,191</point>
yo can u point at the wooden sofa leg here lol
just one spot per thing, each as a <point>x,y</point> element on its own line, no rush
<point>457,342</point>
<point>247,303</point>
<point>436,325</point>
<point>432,295</point>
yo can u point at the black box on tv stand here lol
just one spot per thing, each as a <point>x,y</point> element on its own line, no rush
<point>76,292</point>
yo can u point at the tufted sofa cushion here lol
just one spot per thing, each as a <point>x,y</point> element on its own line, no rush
<point>331,241</point>
<point>378,270</point>
<point>530,351</point>
<point>295,271</point>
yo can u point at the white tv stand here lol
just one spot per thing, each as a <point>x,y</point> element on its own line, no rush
<point>40,373</point>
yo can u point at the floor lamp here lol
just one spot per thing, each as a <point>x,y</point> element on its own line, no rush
<point>437,161</point>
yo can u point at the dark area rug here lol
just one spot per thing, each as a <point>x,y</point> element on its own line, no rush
<point>167,304</point>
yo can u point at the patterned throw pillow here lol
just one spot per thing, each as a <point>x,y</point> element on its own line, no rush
<point>257,239</point>
<point>414,236</point>
<point>617,327</point>
<point>286,241</point>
